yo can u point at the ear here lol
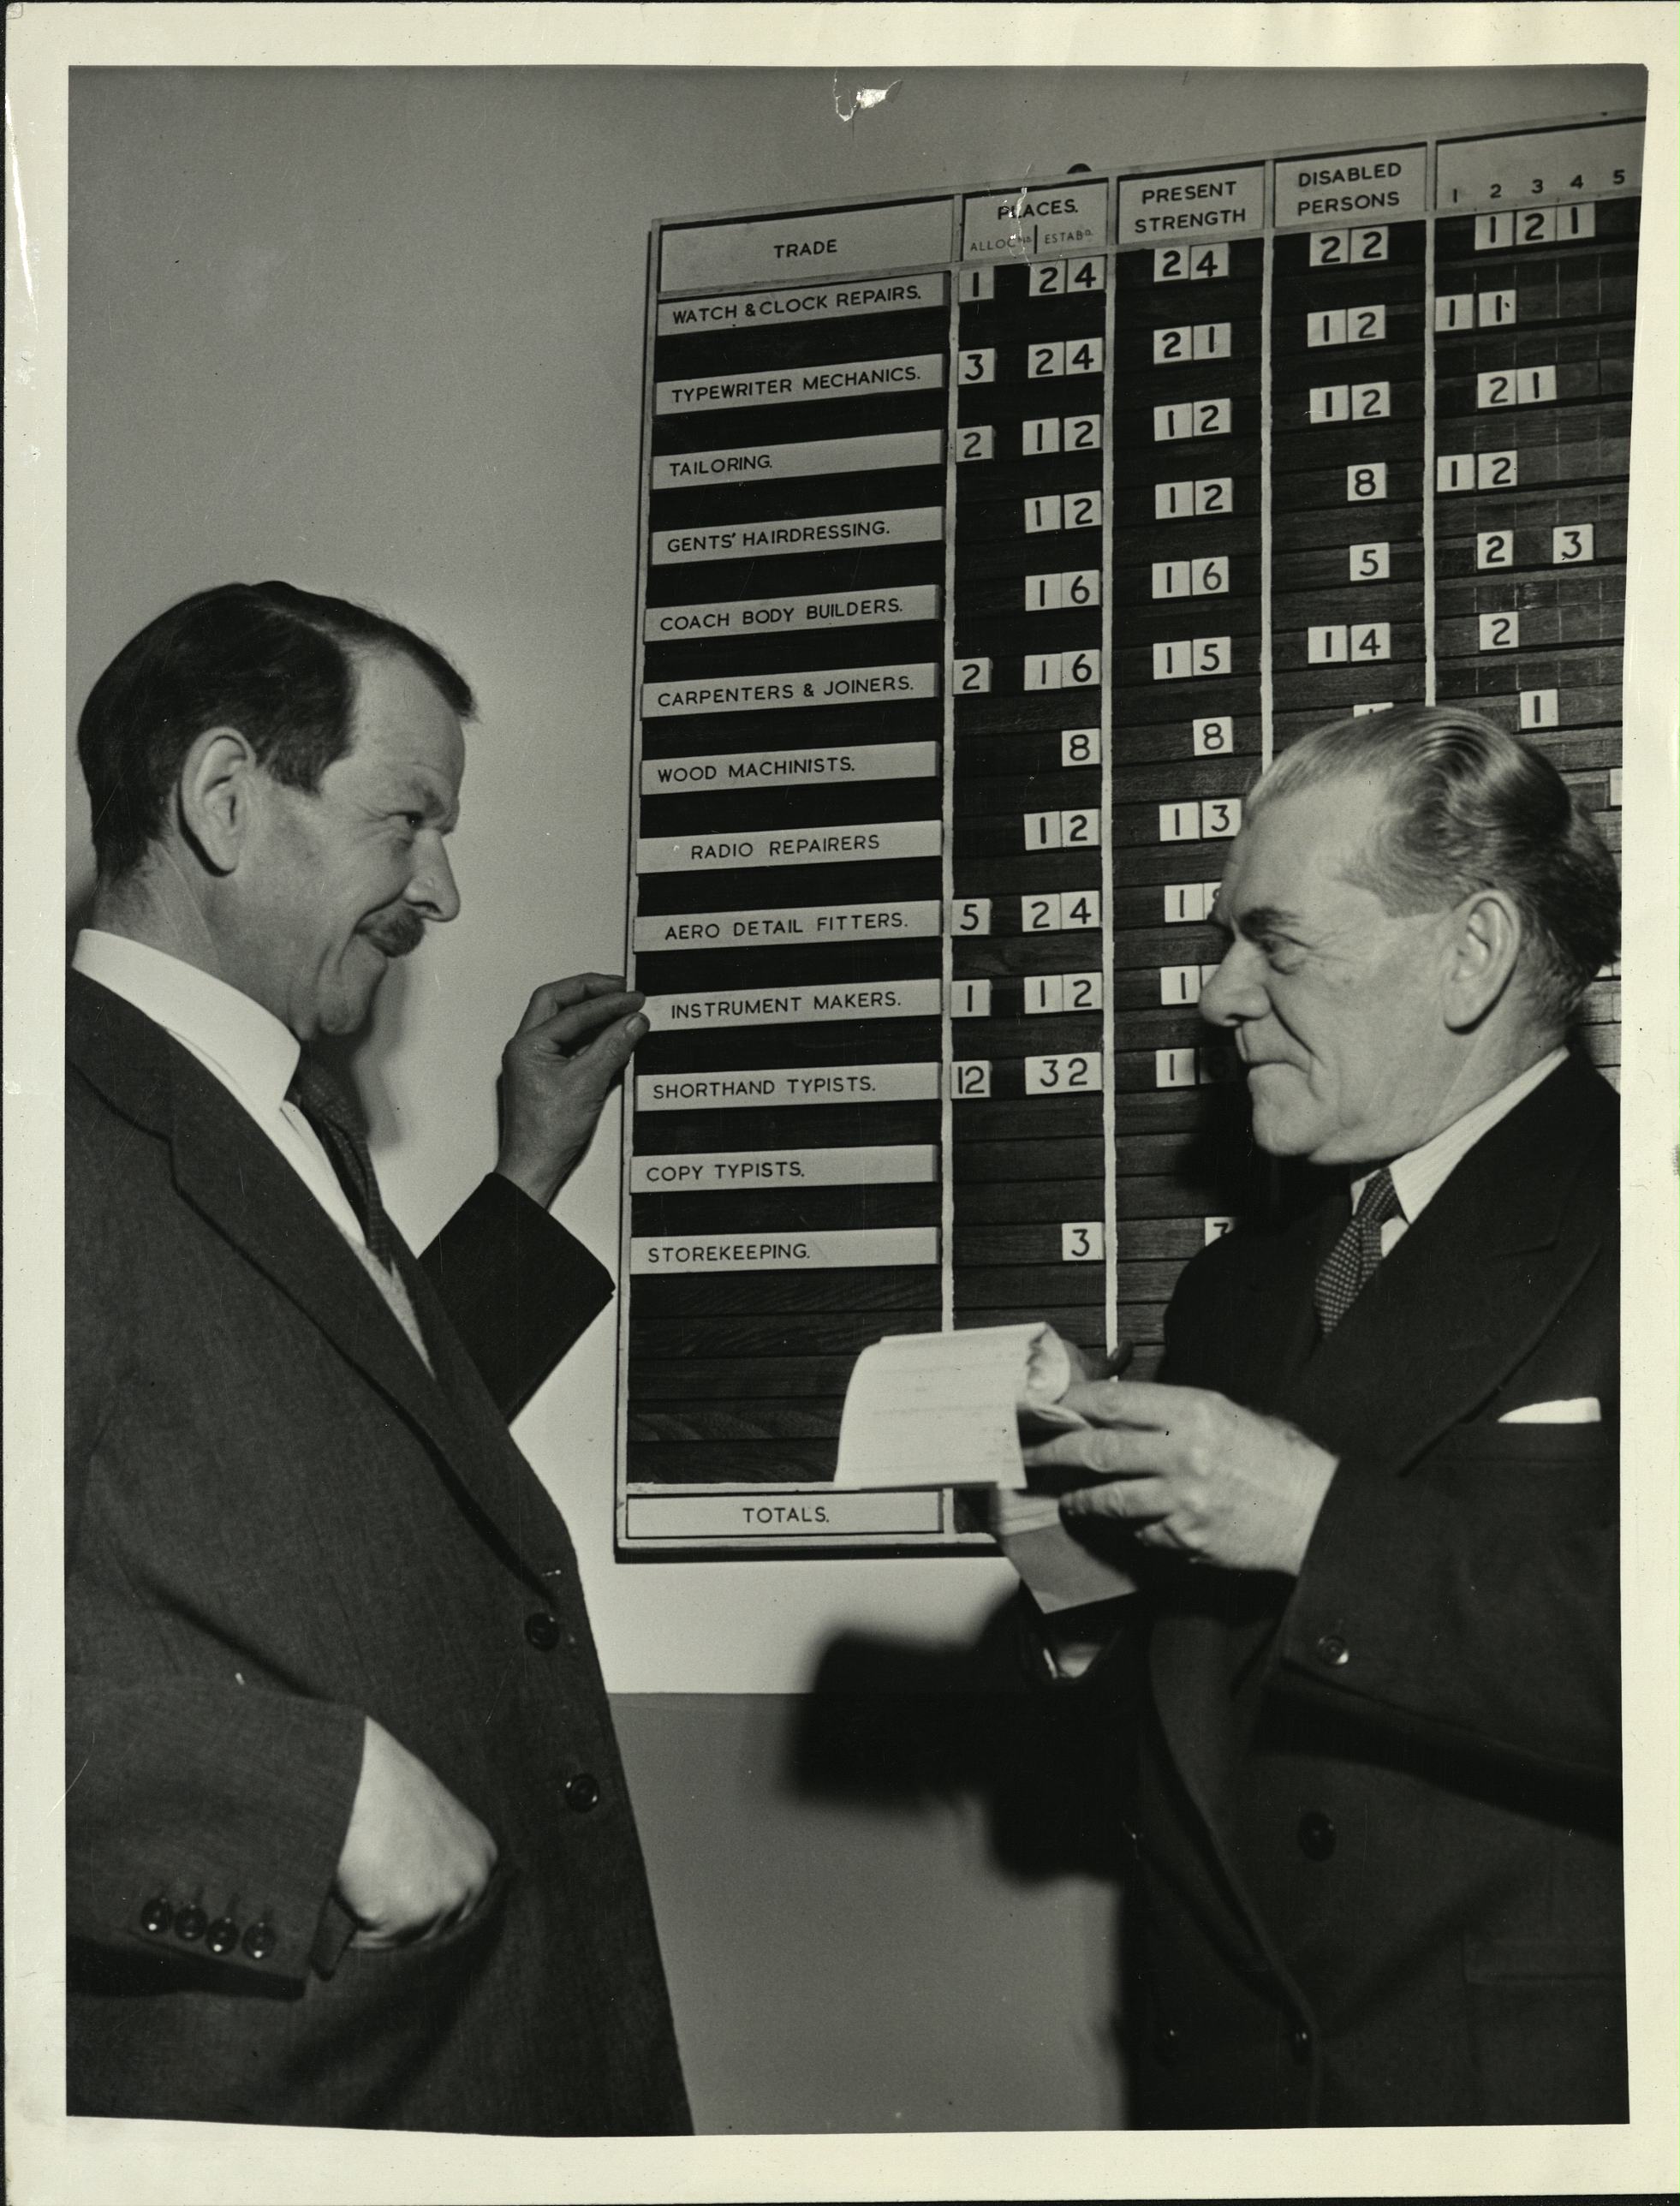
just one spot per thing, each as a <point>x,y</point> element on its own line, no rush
<point>215,795</point>
<point>1482,956</point>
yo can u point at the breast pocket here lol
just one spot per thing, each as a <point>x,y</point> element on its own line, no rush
<point>1568,1471</point>
<point>1506,1443</point>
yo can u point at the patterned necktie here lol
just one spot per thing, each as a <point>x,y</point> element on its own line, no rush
<point>1357,1254</point>
<point>324,1103</point>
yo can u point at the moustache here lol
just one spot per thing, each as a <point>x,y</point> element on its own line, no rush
<point>396,932</point>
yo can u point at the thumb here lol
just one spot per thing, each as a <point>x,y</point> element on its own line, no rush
<point>606,1056</point>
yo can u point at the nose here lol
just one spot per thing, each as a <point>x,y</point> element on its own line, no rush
<point>1235,993</point>
<point>432,887</point>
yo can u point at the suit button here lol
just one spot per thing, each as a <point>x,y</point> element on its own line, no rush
<point>1166,2045</point>
<point>582,1792</point>
<point>1301,2046</point>
<point>1315,1835</point>
<point>541,1630</point>
<point>258,1941</point>
<point>1332,1650</point>
<point>156,1916</point>
<point>223,1934</point>
<point>191,1922</point>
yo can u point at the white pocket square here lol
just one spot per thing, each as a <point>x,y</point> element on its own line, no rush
<point>1579,1410</point>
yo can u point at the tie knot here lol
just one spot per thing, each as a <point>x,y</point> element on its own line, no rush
<point>319,1093</point>
<point>1377,1202</point>
<point>1354,1260</point>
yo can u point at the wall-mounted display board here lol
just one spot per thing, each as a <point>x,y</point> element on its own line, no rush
<point>991,544</point>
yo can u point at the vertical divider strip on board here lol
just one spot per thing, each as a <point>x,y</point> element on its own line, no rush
<point>632,903</point>
<point>1111,1116</point>
<point>948,793</point>
<point>1268,253</point>
<point>1430,159</point>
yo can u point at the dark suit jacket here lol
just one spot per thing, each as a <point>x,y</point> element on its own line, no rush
<point>1375,1810</point>
<point>279,1522</point>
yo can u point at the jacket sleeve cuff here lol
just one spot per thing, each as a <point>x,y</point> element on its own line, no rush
<point>1351,1623</point>
<point>205,1823</point>
<point>519,1289</point>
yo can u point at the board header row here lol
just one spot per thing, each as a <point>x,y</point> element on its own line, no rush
<point>1035,225</point>
<point>1369,184</point>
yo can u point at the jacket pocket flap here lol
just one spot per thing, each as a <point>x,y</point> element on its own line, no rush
<point>1506,1960</point>
<point>1494,1442</point>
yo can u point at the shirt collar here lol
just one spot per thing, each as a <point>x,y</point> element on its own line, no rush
<point>231,1030</point>
<point>1418,1175</point>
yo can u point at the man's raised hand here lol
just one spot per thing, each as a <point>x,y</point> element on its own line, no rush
<point>573,1043</point>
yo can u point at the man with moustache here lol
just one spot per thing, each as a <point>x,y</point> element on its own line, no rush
<point>1367,1667</point>
<point>347,1836</point>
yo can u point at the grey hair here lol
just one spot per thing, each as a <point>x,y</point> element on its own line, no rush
<point>1470,806</point>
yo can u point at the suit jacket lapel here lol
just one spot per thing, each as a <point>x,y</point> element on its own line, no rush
<point>235,1178</point>
<point>1468,1291</point>
<point>501,1482</point>
<point>1279,1326</point>
<point>1450,1312</point>
<point>1216,1624</point>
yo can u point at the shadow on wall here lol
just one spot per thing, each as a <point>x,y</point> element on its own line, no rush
<point>363,1060</point>
<point>895,1726</point>
<point>892,1723</point>
<point>889,1903</point>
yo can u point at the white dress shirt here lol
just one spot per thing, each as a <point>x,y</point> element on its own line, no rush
<point>1419,1175</point>
<point>254,1055</point>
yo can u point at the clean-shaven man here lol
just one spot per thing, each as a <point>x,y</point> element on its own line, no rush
<point>1367,1680</point>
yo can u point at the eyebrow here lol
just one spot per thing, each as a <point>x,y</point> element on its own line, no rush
<point>411,794</point>
<point>1258,919</point>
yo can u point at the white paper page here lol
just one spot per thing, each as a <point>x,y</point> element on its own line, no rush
<point>937,1408</point>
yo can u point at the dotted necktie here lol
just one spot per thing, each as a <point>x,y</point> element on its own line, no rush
<point>1357,1254</point>
<point>328,1109</point>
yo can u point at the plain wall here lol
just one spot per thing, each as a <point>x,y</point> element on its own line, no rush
<point>380,333</point>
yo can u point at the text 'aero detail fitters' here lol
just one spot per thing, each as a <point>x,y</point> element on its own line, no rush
<point>991,544</point>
